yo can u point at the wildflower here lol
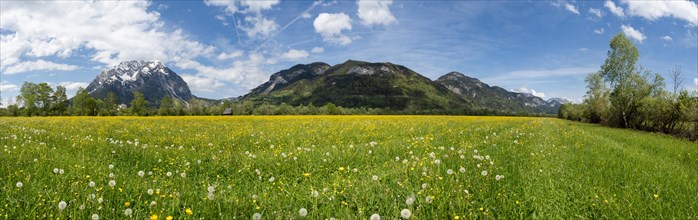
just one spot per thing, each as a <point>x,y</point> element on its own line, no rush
<point>154,217</point>
<point>437,161</point>
<point>271,179</point>
<point>127,204</point>
<point>375,217</point>
<point>256,216</point>
<point>111,166</point>
<point>150,191</point>
<point>61,171</point>
<point>424,185</point>
<point>462,169</point>
<point>183,175</point>
<point>498,177</point>
<point>405,213</point>
<point>128,212</point>
<point>95,217</point>
<point>112,183</point>
<point>410,200</point>
<point>55,170</point>
<point>169,174</point>
<point>111,175</point>
<point>302,212</point>
<point>188,211</point>
<point>374,178</point>
<point>306,174</point>
<point>211,189</point>
<point>100,200</point>
<point>91,184</point>
<point>153,203</point>
<point>19,184</point>
<point>429,199</point>
<point>169,217</point>
<point>62,205</point>
<point>141,173</point>
<point>341,168</point>
<point>484,173</point>
<point>449,171</point>
<point>656,196</point>
<point>210,196</point>
<point>314,194</point>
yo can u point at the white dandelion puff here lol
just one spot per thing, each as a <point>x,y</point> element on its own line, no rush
<point>424,185</point>
<point>183,175</point>
<point>55,170</point>
<point>61,171</point>
<point>141,173</point>
<point>462,169</point>
<point>211,189</point>
<point>256,216</point>
<point>100,200</point>
<point>150,191</point>
<point>374,178</point>
<point>271,179</point>
<point>111,166</point>
<point>62,205</point>
<point>314,194</point>
<point>95,217</point>
<point>303,212</point>
<point>128,212</point>
<point>375,217</point>
<point>169,174</point>
<point>437,161</point>
<point>484,173</point>
<point>210,196</point>
<point>91,184</point>
<point>112,183</point>
<point>498,177</point>
<point>449,171</point>
<point>19,184</point>
<point>405,213</point>
<point>410,200</point>
<point>111,175</point>
<point>429,199</point>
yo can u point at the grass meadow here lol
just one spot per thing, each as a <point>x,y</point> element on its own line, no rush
<point>341,167</point>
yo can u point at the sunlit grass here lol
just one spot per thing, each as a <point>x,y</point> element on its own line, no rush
<point>436,167</point>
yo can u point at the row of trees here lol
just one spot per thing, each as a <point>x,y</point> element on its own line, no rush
<point>626,95</point>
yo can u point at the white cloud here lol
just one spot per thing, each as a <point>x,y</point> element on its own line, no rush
<point>259,26</point>
<point>231,55</point>
<point>529,91</point>
<point>73,86</point>
<point>571,8</point>
<point>583,49</point>
<point>616,10</point>
<point>6,86</point>
<point>199,83</point>
<point>666,38</point>
<point>375,12</point>
<point>38,65</point>
<point>695,83</point>
<point>595,11</point>
<point>633,33</point>
<point>317,50</point>
<point>114,30</point>
<point>538,74</point>
<point>599,31</point>
<point>294,54</point>
<point>259,5</point>
<point>230,6</point>
<point>652,10</point>
<point>330,26</point>
<point>249,72</point>
<point>306,15</point>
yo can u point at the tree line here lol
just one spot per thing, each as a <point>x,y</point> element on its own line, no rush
<point>624,94</point>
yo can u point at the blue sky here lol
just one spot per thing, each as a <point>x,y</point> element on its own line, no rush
<point>225,48</point>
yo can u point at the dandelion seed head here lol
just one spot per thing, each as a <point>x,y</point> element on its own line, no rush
<point>95,217</point>
<point>302,212</point>
<point>141,173</point>
<point>410,200</point>
<point>19,184</point>
<point>128,212</point>
<point>375,217</point>
<point>484,173</point>
<point>62,205</point>
<point>405,213</point>
<point>257,216</point>
<point>111,166</point>
<point>314,194</point>
<point>374,178</point>
<point>112,183</point>
<point>449,171</point>
<point>150,191</point>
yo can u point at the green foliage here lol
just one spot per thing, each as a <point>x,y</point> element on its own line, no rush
<point>84,104</point>
<point>165,106</point>
<point>139,106</point>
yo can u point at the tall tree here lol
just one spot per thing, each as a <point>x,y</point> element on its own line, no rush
<point>597,102</point>
<point>84,104</point>
<point>28,98</point>
<point>165,106</point>
<point>59,103</point>
<point>139,106</point>
<point>110,103</point>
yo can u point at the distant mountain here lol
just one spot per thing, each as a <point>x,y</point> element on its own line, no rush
<point>151,78</point>
<point>495,97</point>
<point>356,84</point>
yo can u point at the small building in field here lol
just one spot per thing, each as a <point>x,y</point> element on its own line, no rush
<point>228,111</point>
<point>121,107</point>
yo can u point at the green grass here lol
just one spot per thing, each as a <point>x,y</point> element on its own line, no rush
<point>551,168</point>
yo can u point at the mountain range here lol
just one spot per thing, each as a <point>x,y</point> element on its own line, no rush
<point>352,84</point>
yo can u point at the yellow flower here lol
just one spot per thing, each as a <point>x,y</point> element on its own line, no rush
<point>188,211</point>
<point>306,174</point>
<point>154,217</point>
<point>341,168</point>
<point>456,217</point>
<point>127,204</point>
<point>656,196</point>
<point>169,217</point>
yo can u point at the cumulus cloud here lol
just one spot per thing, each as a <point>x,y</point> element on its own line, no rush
<point>317,50</point>
<point>330,26</point>
<point>616,10</point>
<point>115,31</point>
<point>599,31</point>
<point>529,91</point>
<point>6,86</point>
<point>595,11</point>
<point>259,26</point>
<point>231,55</point>
<point>666,38</point>
<point>571,8</point>
<point>72,86</point>
<point>294,54</point>
<point>652,10</point>
<point>633,33</point>
<point>37,65</point>
<point>259,5</point>
<point>695,83</point>
<point>230,6</point>
<point>200,83</point>
<point>306,15</point>
<point>375,12</point>
<point>247,71</point>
